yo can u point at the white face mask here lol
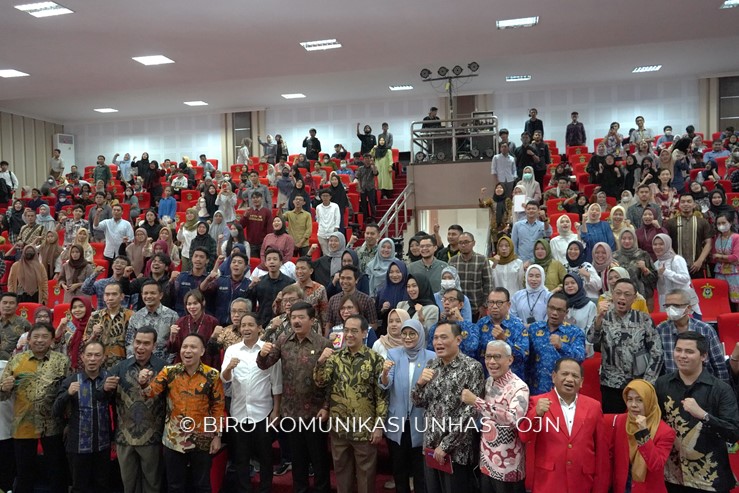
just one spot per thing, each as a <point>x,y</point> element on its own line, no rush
<point>448,284</point>
<point>675,313</point>
<point>234,233</point>
<point>723,227</point>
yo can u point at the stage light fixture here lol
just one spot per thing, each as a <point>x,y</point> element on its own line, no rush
<point>425,73</point>
<point>443,71</point>
<point>457,70</point>
<point>474,66</point>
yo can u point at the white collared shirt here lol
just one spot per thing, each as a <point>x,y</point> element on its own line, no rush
<point>568,411</point>
<point>251,388</point>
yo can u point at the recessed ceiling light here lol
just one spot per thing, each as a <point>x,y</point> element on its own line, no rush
<point>196,103</point>
<point>324,44</point>
<point>296,95</point>
<point>728,4</point>
<point>514,23</point>
<point>6,74</point>
<point>517,78</point>
<point>401,87</point>
<point>44,9</point>
<point>153,60</point>
<point>106,110</point>
<point>646,68</point>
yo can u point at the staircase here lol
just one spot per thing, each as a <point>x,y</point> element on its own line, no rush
<point>384,210</point>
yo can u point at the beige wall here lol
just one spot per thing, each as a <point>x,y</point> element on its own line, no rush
<point>449,186</point>
<point>26,144</point>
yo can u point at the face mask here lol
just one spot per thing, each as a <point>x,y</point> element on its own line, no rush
<point>668,133</point>
<point>448,284</point>
<point>343,165</point>
<point>528,176</point>
<point>285,173</point>
<point>723,227</point>
<point>675,313</point>
<point>234,234</point>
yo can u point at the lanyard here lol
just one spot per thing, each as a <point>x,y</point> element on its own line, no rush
<point>528,302</point>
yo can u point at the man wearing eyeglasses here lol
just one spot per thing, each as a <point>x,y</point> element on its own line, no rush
<point>453,300</point>
<point>500,325</point>
<point>677,306</point>
<point>550,340</point>
<point>628,343</point>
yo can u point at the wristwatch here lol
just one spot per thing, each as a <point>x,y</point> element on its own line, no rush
<point>705,418</point>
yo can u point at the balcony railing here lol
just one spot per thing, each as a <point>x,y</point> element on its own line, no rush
<point>459,139</point>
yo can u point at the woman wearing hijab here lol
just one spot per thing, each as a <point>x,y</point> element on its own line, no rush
<point>673,273</point>
<point>45,219</point>
<point>613,275</point>
<point>564,237</point>
<point>639,265</point>
<point>700,196</point>
<point>593,231</point>
<point>530,304</point>
<point>50,253</point>
<point>136,251</point>
<point>406,442</point>
<point>717,205</point>
<point>581,310</point>
<point>576,205</point>
<point>339,196</point>
<point>641,443</point>
<point>218,227</point>
<point>529,185</point>
<point>618,221</point>
<point>74,272</point>
<point>203,240</point>
<point>602,260</point>
<point>648,230</point>
<point>226,202</point>
<point>395,320</point>
<point>414,250</point>
<point>508,271</point>
<point>554,271</point>
<point>420,304</point>
<point>279,240</point>
<point>500,209</point>
<point>165,235</point>
<point>725,256</point>
<point>450,279</point>
<point>329,265</point>
<point>69,332</point>
<point>185,235</point>
<point>14,219</point>
<point>377,267</point>
<point>384,161</point>
<point>27,278</point>
<point>576,264</point>
<point>299,189</point>
<point>392,292</point>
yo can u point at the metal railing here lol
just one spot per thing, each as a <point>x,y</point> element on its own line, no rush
<point>454,140</point>
<point>392,216</point>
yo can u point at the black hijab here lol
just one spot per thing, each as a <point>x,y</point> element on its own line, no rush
<point>425,294</point>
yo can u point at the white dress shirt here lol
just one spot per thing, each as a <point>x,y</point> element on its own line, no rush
<point>251,388</point>
<point>114,231</point>
<point>568,411</point>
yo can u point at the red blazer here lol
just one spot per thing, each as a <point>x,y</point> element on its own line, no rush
<point>577,462</point>
<point>655,453</point>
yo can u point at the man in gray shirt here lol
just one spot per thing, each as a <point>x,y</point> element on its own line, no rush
<point>503,169</point>
<point>56,164</point>
<point>429,266</point>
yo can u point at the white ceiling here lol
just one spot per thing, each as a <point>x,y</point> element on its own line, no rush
<point>236,54</point>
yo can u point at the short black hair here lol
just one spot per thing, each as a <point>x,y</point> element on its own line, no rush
<point>102,194</point>
<point>124,258</point>
<point>241,256</point>
<point>456,331</point>
<point>80,207</point>
<point>308,261</point>
<point>9,294</point>
<point>166,260</point>
<point>195,334</point>
<point>150,282</point>
<point>303,305</point>
<point>372,225</point>
<point>532,202</point>
<point>434,108</point>
<point>91,343</point>
<point>628,281</point>
<point>256,194</point>
<point>351,268</point>
<point>114,283</point>
<point>456,227</point>
<point>148,330</point>
<point>272,250</point>
<point>558,296</point>
<point>559,362</point>
<point>363,323</point>
<point>40,326</point>
<point>4,163</point>
<point>432,238</point>
<point>700,340</point>
<point>201,250</point>
<point>504,291</point>
<point>457,294</point>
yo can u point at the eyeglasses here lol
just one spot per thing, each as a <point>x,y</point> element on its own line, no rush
<point>424,246</point>
<point>675,305</point>
<point>557,310</point>
<point>623,293</point>
<point>408,335</point>
<point>497,303</point>
<point>464,242</point>
<point>449,299</point>
<point>496,357</point>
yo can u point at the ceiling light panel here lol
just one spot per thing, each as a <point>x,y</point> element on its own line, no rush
<point>729,4</point>
<point>153,60</point>
<point>106,110</point>
<point>517,78</point>
<point>295,95</point>
<point>44,9</point>
<point>196,103</point>
<point>514,23</point>
<point>646,68</point>
<point>6,74</point>
<point>401,87</point>
<point>324,44</point>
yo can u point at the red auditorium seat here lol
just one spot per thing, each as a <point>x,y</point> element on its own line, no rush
<point>56,294</point>
<point>577,150</point>
<point>732,198</point>
<point>554,206</point>
<point>658,317</point>
<point>713,295</point>
<point>591,378</point>
<point>728,330</point>
<point>26,310</point>
<point>59,312</point>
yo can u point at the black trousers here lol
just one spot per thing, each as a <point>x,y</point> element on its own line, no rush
<point>252,440</point>
<point>407,462</point>
<point>29,466</point>
<point>7,464</point>
<point>368,205</point>
<point>90,472</point>
<point>612,400</point>
<point>490,485</point>
<point>28,298</point>
<point>110,265</point>
<point>675,488</point>
<point>461,479</point>
<point>176,464</point>
<point>310,447</point>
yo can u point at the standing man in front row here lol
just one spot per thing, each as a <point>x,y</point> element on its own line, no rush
<point>569,439</point>
<point>439,391</point>
<point>703,412</point>
<point>194,398</point>
<point>255,403</point>
<point>352,377</point>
